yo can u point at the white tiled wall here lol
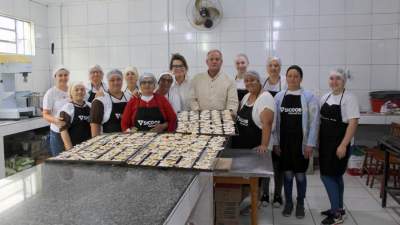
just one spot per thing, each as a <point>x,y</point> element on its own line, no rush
<point>39,80</point>
<point>361,35</point>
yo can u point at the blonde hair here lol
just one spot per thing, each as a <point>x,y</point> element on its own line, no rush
<point>72,87</point>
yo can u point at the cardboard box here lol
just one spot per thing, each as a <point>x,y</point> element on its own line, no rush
<point>228,193</point>
<point>227,213</point>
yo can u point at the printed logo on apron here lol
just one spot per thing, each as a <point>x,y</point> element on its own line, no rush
<point>242,121</point>
<point>117,115</point>
<point>83,118</point>
<point>148,123</point>
<point>291,111</point>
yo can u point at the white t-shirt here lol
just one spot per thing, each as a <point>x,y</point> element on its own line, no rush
<point>240,84</point>
<point>349,106</point>
<point>54,100</point>
<point>279,86</point>
<point>264,101</point>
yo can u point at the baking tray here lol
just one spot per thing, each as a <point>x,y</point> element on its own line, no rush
<point>225,135</point>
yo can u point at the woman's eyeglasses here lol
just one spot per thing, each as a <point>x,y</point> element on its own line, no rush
<point>178,66</point>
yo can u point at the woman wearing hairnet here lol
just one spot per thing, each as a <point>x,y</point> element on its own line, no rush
<point>131,76</point>
<point>106,111</point>
<point>150,111</point>
<point>165,81</point>
<point>339,119</point>
<point>75,114</point>
<point>96,84</point>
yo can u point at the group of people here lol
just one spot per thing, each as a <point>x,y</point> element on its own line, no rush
<point>276,113</point>
<point>272,112</point>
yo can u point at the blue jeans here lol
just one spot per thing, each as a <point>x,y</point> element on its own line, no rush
<point>56,143</point>
<point>335,188</point>
<point>301,183</point>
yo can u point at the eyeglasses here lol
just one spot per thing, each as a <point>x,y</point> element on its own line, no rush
<point>167,80</point>
<point>147,82</point>
<point>178,66</point>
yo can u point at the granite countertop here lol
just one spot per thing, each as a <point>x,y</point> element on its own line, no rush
<point>71,194</point>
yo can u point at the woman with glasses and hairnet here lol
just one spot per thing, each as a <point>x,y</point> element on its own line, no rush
<point>339,119</point>
<point>150,111</point>
<point>96,84</point>
<point>106,111</point>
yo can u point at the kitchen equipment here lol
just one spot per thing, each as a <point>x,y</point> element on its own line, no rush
<point>35,99</point>
<point>379,98</point>
<point>11,106</point>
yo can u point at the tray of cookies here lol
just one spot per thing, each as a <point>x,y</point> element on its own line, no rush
<point>181,151</point>
<point>209,122</point>
<point>111,149</point>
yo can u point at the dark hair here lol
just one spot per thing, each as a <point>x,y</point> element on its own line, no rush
<point>179,57</point>
<point>297,68</point>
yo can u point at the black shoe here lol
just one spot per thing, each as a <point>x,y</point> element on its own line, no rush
<point>300,214</point>
<point>329,213</point>
<point>265,200</point>
<point>332,220</point>
<point>287,211</point>
<point>278,202</point>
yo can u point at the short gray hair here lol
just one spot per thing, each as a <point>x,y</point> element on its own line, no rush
<point>214,50</point>
<point>274,58</point>
<point>114,72</point>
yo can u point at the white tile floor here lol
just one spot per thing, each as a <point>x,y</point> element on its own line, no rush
<point>362,203</point>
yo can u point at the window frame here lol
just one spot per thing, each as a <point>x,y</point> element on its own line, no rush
<point>22,40</point>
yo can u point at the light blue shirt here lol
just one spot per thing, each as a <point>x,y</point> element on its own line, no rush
<point>310,118</point>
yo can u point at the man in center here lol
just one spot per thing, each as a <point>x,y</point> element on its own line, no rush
<point>214,90</point>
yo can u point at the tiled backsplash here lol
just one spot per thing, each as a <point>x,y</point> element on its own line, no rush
<point>319,35</point>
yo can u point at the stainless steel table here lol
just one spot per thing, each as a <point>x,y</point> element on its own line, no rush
<point>247,167</point>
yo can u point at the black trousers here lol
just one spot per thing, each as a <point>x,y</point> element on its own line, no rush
<point>278,178</point>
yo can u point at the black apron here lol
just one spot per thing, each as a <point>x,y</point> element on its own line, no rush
<point>92,95</point>
<point>249,133</point>
<point>331,133</point>
<point>241,93</point>
<point>148,118</point>
<point>114,123</point>
<point>79,131</point>
<point>291,135</point>
<point>273,93</point>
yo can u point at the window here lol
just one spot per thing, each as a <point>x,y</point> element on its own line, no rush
<point>16,36</point>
